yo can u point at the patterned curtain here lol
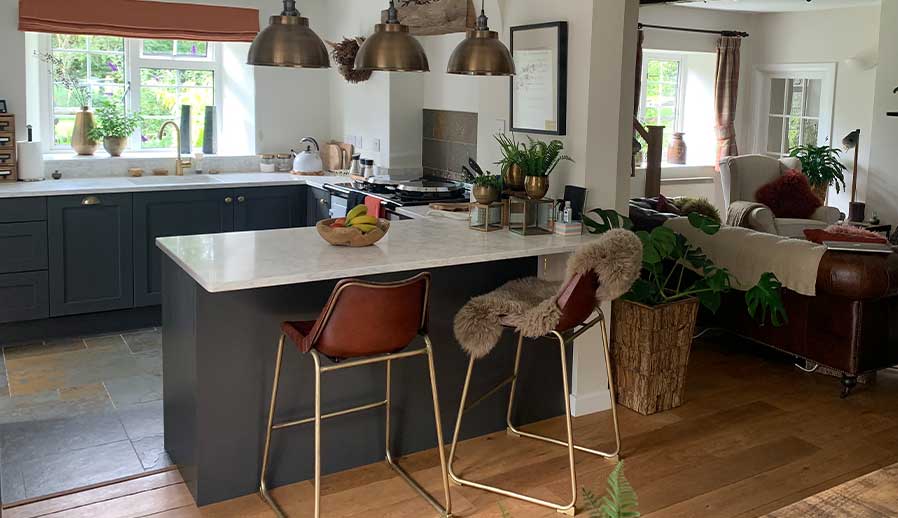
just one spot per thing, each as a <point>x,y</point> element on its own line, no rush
<point>726,91</point>
<point>640,39</point>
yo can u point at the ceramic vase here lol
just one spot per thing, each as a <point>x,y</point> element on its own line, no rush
<point>676,152</point>
<point>81,142</point>
<point>115,146</point>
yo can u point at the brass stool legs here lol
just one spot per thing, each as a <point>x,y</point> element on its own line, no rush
<point>570,507</point>
<point>388,359</point>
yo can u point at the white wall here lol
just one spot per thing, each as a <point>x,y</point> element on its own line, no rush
<point>882,191</point>
<point>12,80</point>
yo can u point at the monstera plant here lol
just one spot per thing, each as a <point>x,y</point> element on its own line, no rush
<point>676,278</point>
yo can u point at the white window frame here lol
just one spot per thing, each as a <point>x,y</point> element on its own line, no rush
<point>681,83</point>
<point>764,74</point>
<point>134,61</point>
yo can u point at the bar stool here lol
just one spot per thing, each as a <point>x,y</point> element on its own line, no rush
<point>576,304</point>
<point>402,316</point>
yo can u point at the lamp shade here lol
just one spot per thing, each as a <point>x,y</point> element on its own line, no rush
<point>482,54</point>
<point>392,49</point>
<point>288,41</point>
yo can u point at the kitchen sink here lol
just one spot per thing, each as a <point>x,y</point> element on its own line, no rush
<point>155,180</point>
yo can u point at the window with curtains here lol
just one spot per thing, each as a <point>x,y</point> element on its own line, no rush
<point>153,77</point>
<point>663,93</point>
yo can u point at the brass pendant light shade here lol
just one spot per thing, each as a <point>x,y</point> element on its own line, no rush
<point>392,48</point>
<point>288,41</point>
<point>482,53</point>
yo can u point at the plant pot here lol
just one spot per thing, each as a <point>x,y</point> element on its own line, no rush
<point>485,194</point>
<point>650,349</point>
<point>115,146</point>
<point>822,192</point>
<point>676,152</point>
<point>81,143</point>
<point>536,186</point>
<point>513,178</point>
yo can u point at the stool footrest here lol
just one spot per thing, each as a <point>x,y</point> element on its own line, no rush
<point>308,420</point>
<point>521,433</point>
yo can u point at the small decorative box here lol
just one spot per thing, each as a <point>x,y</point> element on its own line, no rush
<point>531,217</point>
<point>488,218</point>
<point>574,228</point>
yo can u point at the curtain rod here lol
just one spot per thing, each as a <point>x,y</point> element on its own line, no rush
<point>687,29</point>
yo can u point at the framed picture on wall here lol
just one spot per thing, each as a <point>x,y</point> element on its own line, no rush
<point>539,89</point>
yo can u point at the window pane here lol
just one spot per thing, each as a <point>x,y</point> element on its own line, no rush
<point>671,71</point>
<point>111,93</point>
<point>158,101</point>
<point>794,103</point>
<point>654,70</point>
<point>777,96</point>
<point>812,98</point>
<point>811,131</point>
<point>107,68</point>
<point>62,129</point>
<point>775,135</point>
<point>794,132</point>
<point>63,100</point>
<point>107,43</point>
<point>69,41</point>
<point>158,76</point>
<point>74,64</point>
<point>192,48</point>
<point>158,47</point>
<point>149,130</point>
<point>196,78</point>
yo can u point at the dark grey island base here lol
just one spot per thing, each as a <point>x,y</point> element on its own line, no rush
<point>219,352</point>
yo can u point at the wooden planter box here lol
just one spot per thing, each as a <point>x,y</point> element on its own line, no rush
<point>650,351</point>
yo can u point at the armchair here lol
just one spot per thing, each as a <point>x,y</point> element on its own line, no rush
<point>742,176</point>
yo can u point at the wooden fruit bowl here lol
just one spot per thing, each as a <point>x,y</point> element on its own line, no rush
<point>351,236</point>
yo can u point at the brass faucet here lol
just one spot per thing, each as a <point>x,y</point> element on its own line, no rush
<point>180,164</point>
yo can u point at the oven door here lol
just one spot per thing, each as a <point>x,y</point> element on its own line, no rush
<point>338,206</point>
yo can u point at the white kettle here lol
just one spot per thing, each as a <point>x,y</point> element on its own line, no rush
<point>308,161</point>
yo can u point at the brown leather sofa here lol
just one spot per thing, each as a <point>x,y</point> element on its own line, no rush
<point>851,325</point>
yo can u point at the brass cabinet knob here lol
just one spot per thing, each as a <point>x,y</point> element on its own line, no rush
<point>229,200</point>
<point>323,201</point>
<point>241,199</point>
<point>90,200</point>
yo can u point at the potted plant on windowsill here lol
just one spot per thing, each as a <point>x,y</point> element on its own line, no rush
<point>79,95</point>
<point>113,127</point>
<point>822,166</point>
<point>654,323</point>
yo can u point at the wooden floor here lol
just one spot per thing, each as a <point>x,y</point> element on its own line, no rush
<point>756,435</point>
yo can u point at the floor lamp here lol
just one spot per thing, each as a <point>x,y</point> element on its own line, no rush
<point>856,210</point>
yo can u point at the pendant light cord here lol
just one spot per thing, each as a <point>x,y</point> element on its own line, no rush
<point>392,14</point>
<point>290,8</point>
<point>483,23</point>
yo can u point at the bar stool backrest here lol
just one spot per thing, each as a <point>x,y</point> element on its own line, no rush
<point>577,300</point>
<point>367,318</point>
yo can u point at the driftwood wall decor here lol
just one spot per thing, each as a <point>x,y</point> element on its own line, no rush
<point>430,17</point>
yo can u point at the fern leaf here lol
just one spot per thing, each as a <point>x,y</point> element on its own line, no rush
<point>620,500</point>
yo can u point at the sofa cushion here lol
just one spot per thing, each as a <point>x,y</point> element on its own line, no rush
<point>789,196</point>
<point>844,233</point>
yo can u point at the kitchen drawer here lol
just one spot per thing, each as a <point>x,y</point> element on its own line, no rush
<point>24,247</point>
<point>7,123</point>
<point>24,296</point>
<point>7,140</point>
<point>18,210</point>
<point>7,158</point>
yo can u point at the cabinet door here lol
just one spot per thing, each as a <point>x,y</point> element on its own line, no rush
<point>91,253</point>
<point>319,206</point>
<point>24,296</point>
<point>24,247</point>
<point>173,213</point>
<point>269,208</point>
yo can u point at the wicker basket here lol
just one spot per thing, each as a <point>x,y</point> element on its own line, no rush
<point>351,236</point>
<point>650,349</point>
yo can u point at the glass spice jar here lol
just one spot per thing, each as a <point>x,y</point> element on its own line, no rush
<point>284,162</point>
<point>267,163</point>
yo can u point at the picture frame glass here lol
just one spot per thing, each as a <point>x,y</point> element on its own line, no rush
<point>539,88</point>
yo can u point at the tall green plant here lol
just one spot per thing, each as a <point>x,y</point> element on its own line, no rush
<point>112,121</point>
<point>674,270</point>
<point>540,158</point>
<point>511,151</point>
<point>821,165</point>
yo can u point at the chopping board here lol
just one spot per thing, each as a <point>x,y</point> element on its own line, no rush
<point>451,207</point>
<point>336,156</point>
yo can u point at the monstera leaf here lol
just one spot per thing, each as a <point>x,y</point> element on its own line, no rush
<point>765,297</point>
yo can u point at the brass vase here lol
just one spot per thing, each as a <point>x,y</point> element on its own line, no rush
<point>115,146</point>
<point>81,142</point>
<point>485,194</point>
<point>514,178</point>
<point>536,186</point>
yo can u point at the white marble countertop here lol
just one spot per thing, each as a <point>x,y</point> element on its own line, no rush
<point>245,260</point>
<point>116,184</point>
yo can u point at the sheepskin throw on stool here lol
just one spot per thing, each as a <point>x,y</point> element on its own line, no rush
<point>530,304</point>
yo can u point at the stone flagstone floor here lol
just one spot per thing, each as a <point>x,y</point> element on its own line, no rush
<point>79,411</point>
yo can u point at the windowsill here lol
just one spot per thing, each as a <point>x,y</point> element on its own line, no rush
<point>133,155</point>
<point>665,165</point>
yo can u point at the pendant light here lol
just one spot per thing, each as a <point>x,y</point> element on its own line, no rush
<point>482,53</point>
<point>288,41</point>
<point>392,48</point>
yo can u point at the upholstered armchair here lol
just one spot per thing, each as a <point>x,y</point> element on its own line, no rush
<point>742,176</point>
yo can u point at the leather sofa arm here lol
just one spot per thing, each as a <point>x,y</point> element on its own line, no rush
<point>858,276</point>
<point>827,215</point>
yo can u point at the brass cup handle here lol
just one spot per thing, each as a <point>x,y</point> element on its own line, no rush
<point>229,200</point>
<point>90,200</point>
<point>241,199</point>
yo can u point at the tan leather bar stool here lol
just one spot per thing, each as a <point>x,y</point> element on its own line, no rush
<point>401,318</point>
<point>577,303</point>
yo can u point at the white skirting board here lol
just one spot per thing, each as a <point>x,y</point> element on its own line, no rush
<point>590,403</point>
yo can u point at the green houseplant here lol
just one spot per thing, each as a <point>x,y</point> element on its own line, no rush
<point>538,160</point>
<point>113,127</point>
<point>822,166</point>
<point>487,187</point>
<point>512,174</point>
<point>654,323</point>
<point>79,95</point>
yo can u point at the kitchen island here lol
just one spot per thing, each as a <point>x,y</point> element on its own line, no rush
<point>224,297</point>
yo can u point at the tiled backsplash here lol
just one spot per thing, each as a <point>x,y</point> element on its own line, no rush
<point>450,138</point>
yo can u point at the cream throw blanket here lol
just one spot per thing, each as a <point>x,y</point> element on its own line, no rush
<point>739,212</point>
<point>748,255</point>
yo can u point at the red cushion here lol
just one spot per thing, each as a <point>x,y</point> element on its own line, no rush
<point>789,196</point>
<point>844,233</point>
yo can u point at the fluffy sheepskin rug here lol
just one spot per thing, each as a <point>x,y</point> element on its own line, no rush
<point>530,304</point>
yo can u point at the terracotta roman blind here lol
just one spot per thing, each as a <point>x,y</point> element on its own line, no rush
<point>139,19</point>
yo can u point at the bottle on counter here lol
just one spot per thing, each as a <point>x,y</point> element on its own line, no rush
<point>568,214</point>
<point>198,163</point>
<point>284,162</point>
